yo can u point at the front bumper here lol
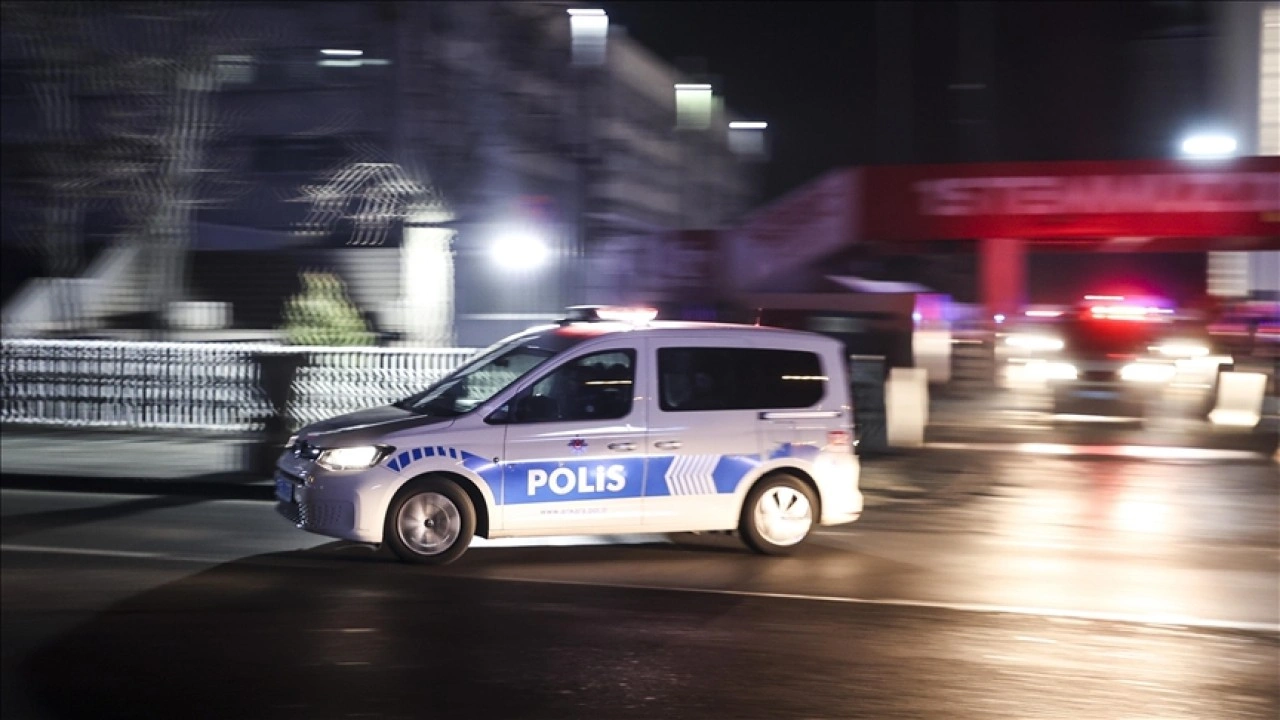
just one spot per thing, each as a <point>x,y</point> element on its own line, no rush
<point>837,476</point>
<point>348,507</point>
<point>1104,398</point>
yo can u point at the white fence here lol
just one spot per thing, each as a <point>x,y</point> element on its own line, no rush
<point>202,386</point>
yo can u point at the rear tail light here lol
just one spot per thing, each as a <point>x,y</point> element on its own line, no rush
<point>838,437</point>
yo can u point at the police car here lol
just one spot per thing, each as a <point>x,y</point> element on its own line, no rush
<point>1115,355</point>
<point>604,423</point>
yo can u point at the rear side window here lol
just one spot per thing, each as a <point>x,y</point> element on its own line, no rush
<point>692,379</point>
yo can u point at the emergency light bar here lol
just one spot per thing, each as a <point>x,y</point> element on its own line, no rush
<point>610,313</point>
<point>1127,312</point>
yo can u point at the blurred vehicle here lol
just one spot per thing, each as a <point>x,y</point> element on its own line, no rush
<point>1248,329</point>
<point>605,423</point>
<point>1113,356</point>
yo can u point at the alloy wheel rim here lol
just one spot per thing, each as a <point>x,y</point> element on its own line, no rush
<point>429,523</point>
<point>783,515</point>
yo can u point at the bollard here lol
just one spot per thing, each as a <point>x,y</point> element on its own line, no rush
<point>932,352</point>
<point>906,403</point>
<point>1240,397</point>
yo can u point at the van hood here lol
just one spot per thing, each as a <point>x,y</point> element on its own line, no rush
<point>366,427</point>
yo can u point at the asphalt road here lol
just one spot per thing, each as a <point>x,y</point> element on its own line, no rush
<point>978,585</point>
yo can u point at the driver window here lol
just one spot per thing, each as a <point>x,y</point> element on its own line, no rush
<point>593,387</point>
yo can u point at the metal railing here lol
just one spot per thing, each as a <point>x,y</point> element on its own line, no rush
<point>202,386</point>
<point>333,381</point>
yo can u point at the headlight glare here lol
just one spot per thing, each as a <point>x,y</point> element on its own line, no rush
<point>1035,343</point>
<point>1147,372</point>
<point>1182,349</point>
<point>1040,371</point>
<point>361,457</point>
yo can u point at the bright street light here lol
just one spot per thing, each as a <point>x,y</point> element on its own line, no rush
<point>589,31</point>
<point>1209,145</point>
<point>519,251</point>
<point>746,137</point>
<point>693,106</point>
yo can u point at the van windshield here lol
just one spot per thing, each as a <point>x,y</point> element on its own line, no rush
<point>478,381</point>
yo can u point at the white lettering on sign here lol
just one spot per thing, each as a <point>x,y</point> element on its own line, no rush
<point>1101,194</point>
<point>562,481</point>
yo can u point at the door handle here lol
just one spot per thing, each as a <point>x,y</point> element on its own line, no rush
<point>622,446</point>
<point>667,445</point>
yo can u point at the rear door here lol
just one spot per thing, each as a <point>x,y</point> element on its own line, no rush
<point>702,441</point>
<point>719,412</point>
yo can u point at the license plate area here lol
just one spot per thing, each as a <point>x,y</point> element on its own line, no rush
<point>284,489</point>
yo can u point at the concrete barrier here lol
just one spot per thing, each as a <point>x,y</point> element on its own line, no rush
<point>1240,397</point>
<point>932,352</point>
<point>191,315</point>
<point>906,400</point>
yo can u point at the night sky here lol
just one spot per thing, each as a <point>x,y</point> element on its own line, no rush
<point>806,68</point>
<point>1059,75</point>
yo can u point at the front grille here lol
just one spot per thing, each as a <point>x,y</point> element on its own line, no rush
<point>335,515</point>
<point>1099,376</point>
<point>293,512</point>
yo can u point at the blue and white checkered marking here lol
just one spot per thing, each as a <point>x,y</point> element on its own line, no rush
<point>692,475</point>
<point>405,458</point>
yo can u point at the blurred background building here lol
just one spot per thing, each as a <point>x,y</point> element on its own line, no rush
<point>464,168</point>
<point>972,83</point>
<point>468,168</point>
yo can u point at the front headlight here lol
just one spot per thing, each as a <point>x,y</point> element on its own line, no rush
<point>1034,343</point>
<point>1182,349</point>
<point>1041,371</point>
<point>362,457</point>
<point>1147,372</point>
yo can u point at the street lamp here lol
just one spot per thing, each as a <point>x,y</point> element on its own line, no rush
<point>746,137</point>
<point>515,250</point>
<point>1209,145</point>
<point>693,106</point>
<point>589,30</point>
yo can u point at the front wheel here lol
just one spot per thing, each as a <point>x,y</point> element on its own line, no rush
<point>430,522</point>
<point>778,515</point>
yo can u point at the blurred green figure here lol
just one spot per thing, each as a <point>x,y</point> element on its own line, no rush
<point>322,314</point>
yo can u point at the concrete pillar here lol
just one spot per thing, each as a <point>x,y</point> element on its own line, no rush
<point>1002,270</point>
<point>428,287</point>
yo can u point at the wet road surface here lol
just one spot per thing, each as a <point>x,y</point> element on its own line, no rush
<point>978,585</point>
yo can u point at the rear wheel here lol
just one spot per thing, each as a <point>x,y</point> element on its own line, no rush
<point>431,521</point>
<point>778,515</point>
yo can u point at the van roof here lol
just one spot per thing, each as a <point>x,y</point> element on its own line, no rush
<point>676,328</point>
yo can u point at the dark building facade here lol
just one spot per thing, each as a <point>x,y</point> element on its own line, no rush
<point>391,142</point>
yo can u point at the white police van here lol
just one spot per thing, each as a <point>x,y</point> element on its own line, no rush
<point>605,423</point>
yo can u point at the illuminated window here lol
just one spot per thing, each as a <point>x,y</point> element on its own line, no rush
<point>1269,83</point>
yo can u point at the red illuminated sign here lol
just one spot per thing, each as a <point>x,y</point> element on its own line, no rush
<point>1239,198</point>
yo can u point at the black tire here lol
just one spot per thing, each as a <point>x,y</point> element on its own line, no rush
<point>430,522</point>
<point>783,491</point>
